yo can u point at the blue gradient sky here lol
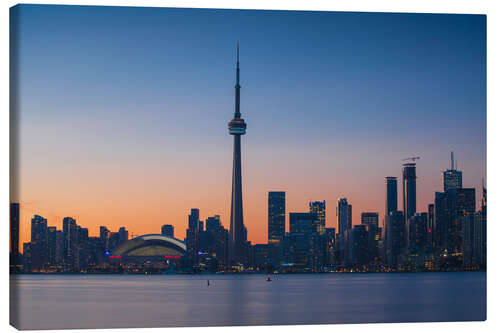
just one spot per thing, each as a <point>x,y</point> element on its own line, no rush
<point>124,111</point>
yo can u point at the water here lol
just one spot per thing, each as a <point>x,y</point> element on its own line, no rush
<point>112,301</point>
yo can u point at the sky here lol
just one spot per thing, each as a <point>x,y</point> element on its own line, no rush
<point>123,111</point>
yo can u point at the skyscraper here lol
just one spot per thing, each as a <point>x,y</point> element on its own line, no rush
<point>26,262</point>
<point>466,200</point>
<point>215,240</point>
<point>237,128</point>
<point>344,216</point>
<point>395,233</point>
<point>38,242</point>
<point>391,205</point>
<point>302,238</point>
<point>192,236</point>
<point>59,247</point>
<point>391,197</point>
<point>375,246</point>
<point>213,223</point>
<point>52,244</point>
<point>443,227</point>
<point>302,223</point>
<point>369,218</point>
<point>69,232</point>
<point>194,219</point>
<point>483,200</point>
<point>450,206</point>
<point>417,230</point>
<point>452,178</point>
<point>409,191</point>
<point>319,208</point>
<point>358,245</point>
<point>14,236</point>
<point>344,223</point>
<point>431,233</point>
<point>275,216</point>
<point>122,235</point>
<point>168,230</point>
<point>474,239</point>
<point>103,237</point>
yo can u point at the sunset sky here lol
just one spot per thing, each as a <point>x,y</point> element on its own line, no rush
<point>124,111</point>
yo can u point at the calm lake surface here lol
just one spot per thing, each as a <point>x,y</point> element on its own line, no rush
<point>112,301</point>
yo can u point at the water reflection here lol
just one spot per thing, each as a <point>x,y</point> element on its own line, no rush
<point>106,301</point>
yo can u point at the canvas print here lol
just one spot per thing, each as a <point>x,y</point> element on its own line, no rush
<point>205,167</point>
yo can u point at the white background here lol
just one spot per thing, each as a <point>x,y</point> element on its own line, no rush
<point>491,8</point>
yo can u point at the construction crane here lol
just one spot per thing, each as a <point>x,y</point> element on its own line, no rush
<point>413,159</point>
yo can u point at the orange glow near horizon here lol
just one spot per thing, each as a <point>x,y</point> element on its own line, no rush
<point>142,200</point>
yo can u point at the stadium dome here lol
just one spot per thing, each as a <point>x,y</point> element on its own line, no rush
<point>151,246</point>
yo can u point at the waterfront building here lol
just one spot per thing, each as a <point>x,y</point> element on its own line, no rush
<point>26,258</point>
<point>103,237</point>
<point>344,223</point>
<point>396,239</point>
<point>391,195</point>
<point>302,242</point>
<point>358,245</point>
<point>391,205</point>
<point>194,219</point>
<point>122,235</point>
<point>192,236</point>
<point>431,232</point>
<point>319,208</point>
<point>276,204</point>
<point>474,240</point>
<point>213,223</point>
<point>330,246</point>
<point>275,216</point>
<point>113,241</point>
<point>450,206</point>
<point>214,241</point>
<point>417,230</point>
<point>374,243</point>
<point>344,216</point>
<point>167,230</point>
<point>51,245</point>
<point>409,192</point>
<point>261,256</point>
<point>369,218</point>
<point>39,244</point>
<point>466,200</point>
<point>70,242</point>
<point>452,178</point>
<point>59,252</point>
<point>14,237</point>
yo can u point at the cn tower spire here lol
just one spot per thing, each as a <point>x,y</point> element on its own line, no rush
<point>237,87</point>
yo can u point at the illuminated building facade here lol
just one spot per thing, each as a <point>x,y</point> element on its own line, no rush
<point>369,218</point>
<point>275,216</point>
<point>319,208</point>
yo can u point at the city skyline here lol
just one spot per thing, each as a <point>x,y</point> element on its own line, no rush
<point>367,217</point>
<point>450,235</point>
<point>299,142</point>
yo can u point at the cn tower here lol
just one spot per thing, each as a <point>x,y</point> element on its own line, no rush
<point>237,128</point>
